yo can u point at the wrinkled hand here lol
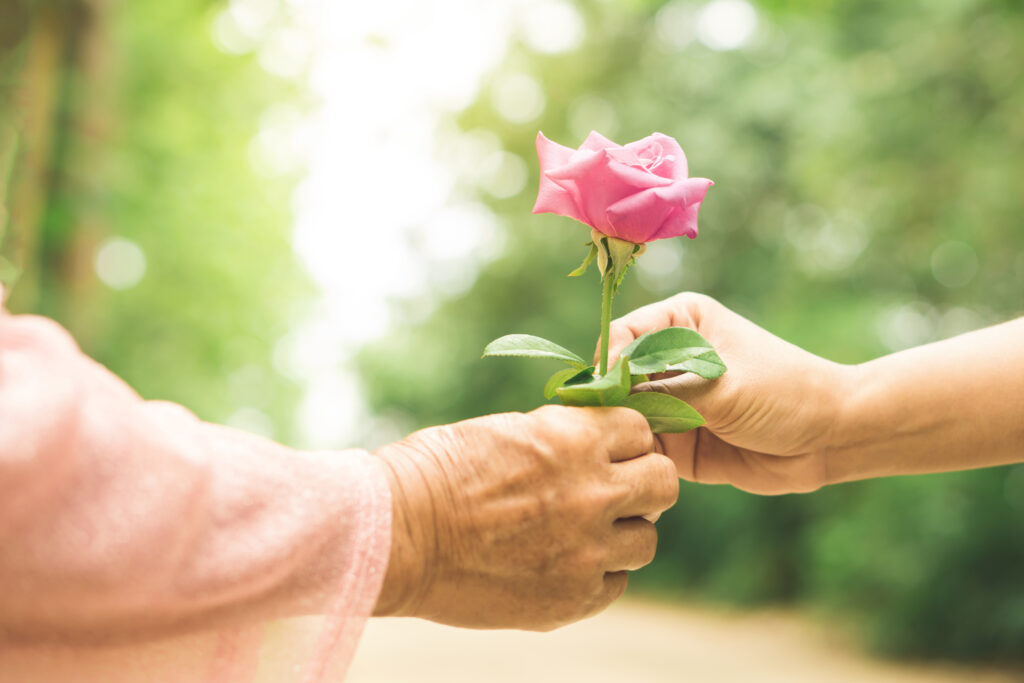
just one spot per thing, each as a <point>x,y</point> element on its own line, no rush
<point>769,417</point>
<point>522,520</point>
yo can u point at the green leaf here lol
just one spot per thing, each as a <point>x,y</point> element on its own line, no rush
<point>610,390</point>
<point>707,365</point>
<point>674,349</point>
<point>528,346</point>
<point>638,379</point>
<point>666,414</point>
<point>566,376</point>
<point>586,262</point>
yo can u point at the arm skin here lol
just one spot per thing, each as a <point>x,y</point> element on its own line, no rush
<point>126,520</point>
<point>782,420</point>
<point>953,405</point>
<point>123,519</point>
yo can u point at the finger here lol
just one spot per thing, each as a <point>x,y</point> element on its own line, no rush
<point>650,484</point>
<point>625,432</point>
<point>624,330</point>
<point>614,586</point>
<point>679,449</point>
<point>633,546</point>
<point>710,460</point>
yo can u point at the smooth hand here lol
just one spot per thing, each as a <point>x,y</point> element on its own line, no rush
<point>769,417</point>
<point>522,520</point>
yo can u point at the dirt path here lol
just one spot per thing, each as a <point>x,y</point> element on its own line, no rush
<point>636,642</point>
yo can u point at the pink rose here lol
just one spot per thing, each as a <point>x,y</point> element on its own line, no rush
<point>638,193</point>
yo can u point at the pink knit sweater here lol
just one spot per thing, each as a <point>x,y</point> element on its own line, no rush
<point>138,543</point>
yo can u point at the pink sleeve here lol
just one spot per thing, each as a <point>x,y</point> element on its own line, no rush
<point>140,543</point>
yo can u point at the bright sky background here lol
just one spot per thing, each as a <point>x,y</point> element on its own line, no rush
<point>382,212</point>
<point>379,216</point>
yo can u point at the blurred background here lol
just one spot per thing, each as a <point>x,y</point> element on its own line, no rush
<point>305,218</point>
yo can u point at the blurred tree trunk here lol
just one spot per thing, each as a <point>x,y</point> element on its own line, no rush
<point>88,121</point>
<point>30,117</point>
<point>58,118</point>
<point>13,28</point>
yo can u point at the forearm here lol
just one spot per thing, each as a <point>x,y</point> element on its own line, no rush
<point>952,405</point>
<point>124,519</point>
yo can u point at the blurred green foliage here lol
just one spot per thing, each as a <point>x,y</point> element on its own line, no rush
<point>869,161</point>
<point>125,129</point>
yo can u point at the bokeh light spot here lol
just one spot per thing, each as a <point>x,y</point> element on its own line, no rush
<point>120,263</point>
<point>661,269</point>
<point>282,144</point>
<point>905,326</point>
<point>553,27</point>
<point>726,24</point>
<point>243,24</point>
<point>674,24</point>
<point>517,98</point>
<point>286,53</point>
<point>503,175</point>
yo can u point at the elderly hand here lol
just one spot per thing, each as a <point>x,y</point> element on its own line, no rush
<point>522,520</point>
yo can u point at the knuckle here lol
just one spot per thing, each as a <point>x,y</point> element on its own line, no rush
<point>589,561</point>
<point>689,298</point>
<point>631,420</point>
<point>554,421</point>
<point>582,505</point>
<point>637,422</point>
<point>693,304</point>
<point>548,411</point>
<point>618,327</point>
<point>649,544</point>
<point>670,477</point>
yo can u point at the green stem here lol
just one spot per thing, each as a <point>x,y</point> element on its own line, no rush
<point>608,291</point>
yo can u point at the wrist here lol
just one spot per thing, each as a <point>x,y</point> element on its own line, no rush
<point>412,543</point>
<point>845,453</point>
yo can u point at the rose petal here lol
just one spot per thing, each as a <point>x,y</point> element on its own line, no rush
<point>673,164</point>
<point>580,164</point>
<point>680,223</point>
<point>687,199</point>
<point>638,192</point>
<point>593,178</point>
<point>625,156</point>
<point>638,178</point>
<point>660,212</point>
<point>596,142</point>
<point>638,217</point>
<point>685,192</point>
<point>551,196</point>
